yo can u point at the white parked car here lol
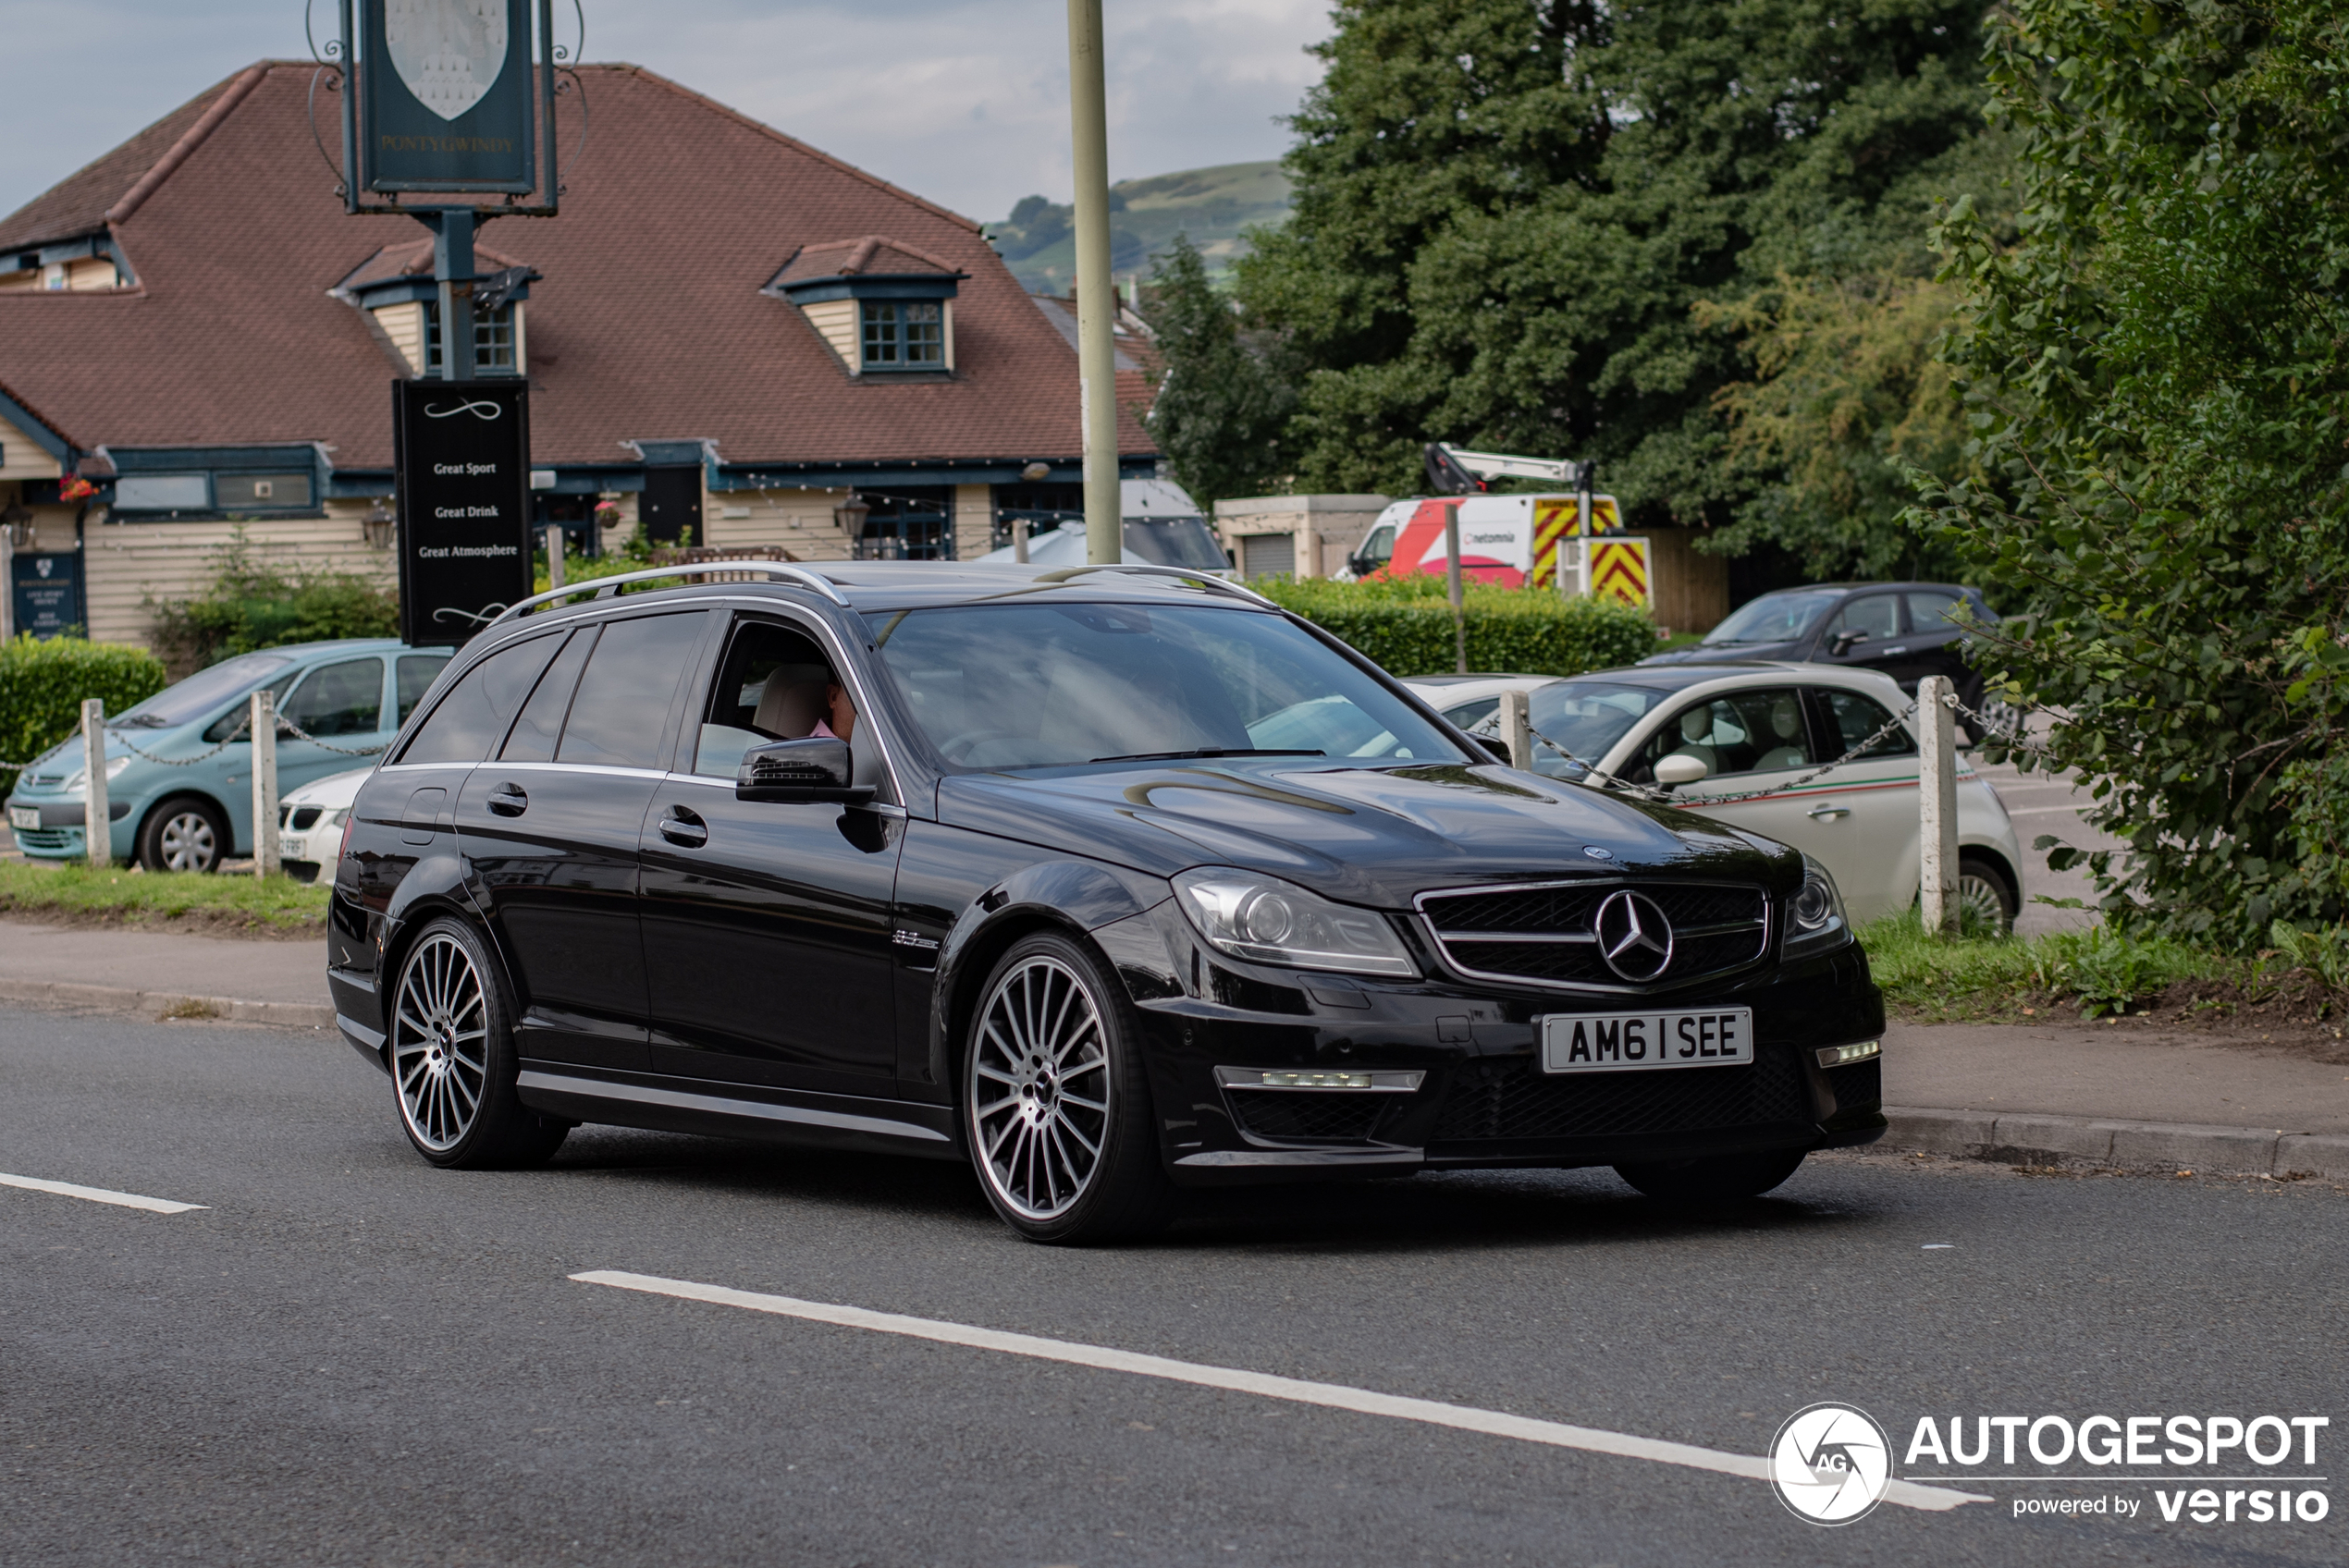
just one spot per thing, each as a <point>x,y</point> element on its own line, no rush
<point>1752,725</point>
<point>310,822</point>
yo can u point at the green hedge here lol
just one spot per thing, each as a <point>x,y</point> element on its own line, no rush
<point>42,685</point>
<point>1406,626</point>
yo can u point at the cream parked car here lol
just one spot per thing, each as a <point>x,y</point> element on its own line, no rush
<point>1728,729</point>
<point>310,822</point>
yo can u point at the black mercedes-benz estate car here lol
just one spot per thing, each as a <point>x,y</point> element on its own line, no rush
<point>1108,881</point>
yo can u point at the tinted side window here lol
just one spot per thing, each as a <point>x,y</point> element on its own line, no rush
<point>467,724</point>
<point>1933,613</point>
<point>338,699</point>
<point>620,717</point>
<point>541,724</point>
<point>1875,614</point>
<point>233,721</point>
<point>417,672</point>
<point>1851,718</point>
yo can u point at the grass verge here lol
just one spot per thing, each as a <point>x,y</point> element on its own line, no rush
<point>1985,979</point>
<point>188,898</point>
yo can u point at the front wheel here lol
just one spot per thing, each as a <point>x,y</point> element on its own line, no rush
<point>452,1057</point>
<point>1055,1103</point>
<point>185,833</point>
<point>1721,1179</point>
<point>1986,905</point>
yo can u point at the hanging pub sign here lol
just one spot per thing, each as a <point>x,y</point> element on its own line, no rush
<point>461,450</point>
<point>447,95</point>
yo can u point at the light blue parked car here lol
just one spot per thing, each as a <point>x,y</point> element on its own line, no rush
<point>352,695</point>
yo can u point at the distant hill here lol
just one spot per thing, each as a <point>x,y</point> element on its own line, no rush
<point>1212,206</point>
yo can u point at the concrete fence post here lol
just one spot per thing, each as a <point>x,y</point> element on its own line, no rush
<point>1452,584</point>
<point>1938,805</point>
<point>555,556</point>
<point>264,783</point>
<point>97,825</point>
<point>1516,730</point>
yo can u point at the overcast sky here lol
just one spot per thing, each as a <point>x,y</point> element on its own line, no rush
<point>962,101</point>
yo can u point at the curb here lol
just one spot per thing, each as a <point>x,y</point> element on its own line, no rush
<point>2032,1138</point>
<point>123,999</point>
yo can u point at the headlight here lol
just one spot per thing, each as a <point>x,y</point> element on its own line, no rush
<point>113,769</point>
<point>334,819</point>
<point>1814,918</point>
<point>1269,921</point>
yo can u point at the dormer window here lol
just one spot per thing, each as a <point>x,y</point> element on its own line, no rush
<point>903,334</point>
<point>883,307</point>
<point>396,288</point>
<point>494,335</point>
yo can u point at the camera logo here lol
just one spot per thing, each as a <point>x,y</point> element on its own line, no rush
<point>1830,1463</point>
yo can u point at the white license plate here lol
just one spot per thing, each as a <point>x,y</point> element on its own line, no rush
<point>24,816</point>
<point>289,847</point>
<point>1631,1042</point>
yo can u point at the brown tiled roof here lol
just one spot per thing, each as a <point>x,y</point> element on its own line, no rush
<point>874,255</point>
<point>413,259</point>
<point>649,320</point>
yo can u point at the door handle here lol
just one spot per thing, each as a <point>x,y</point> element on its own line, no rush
<point>684,829</point>
<point>1827,813</point>
<point>508,800</point>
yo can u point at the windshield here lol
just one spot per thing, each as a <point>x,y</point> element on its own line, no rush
<point>1775,618</point>
<point>1585,717</point>
<point>1175,541</point>
<point>1028,685</point>
<point>202,692</point>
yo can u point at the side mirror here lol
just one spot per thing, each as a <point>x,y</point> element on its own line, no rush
<point>1673,771</point>
<point>1845,641</point>
<point>818,768</point>
<point>1495,744</point>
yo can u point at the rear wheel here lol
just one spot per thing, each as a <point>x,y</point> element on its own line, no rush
<point>452,1057</point>
<point>1721,1179</point>
<point>184,834</point>
<point>1055,1103</point>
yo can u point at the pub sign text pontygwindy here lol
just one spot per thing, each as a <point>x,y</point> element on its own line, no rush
<point>446,92</point>
<point>463,453</point>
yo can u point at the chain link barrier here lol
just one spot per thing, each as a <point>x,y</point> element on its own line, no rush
<point>285,726</point>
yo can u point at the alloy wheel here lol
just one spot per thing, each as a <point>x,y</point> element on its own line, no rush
<point>188,843</point>
<point>1982,906</point>
<point>1039,1088</point>
<point>439,1042</point>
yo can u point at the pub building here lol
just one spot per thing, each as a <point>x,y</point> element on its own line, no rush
<point>731,338</point>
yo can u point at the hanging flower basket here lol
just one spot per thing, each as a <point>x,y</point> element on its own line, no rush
<point>76,490</point>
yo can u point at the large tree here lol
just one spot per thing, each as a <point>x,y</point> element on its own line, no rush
<point>1507,212</point>
<point>2158,374</point>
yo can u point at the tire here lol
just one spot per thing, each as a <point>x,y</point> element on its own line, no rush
<point>453,1057</point>
<point>1055,1101</point>
<point>1987,902</point>
<point>185,833</point>
<point>1727,1178</point>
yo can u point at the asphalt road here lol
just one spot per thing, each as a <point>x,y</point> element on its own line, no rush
<point>350,1357</point>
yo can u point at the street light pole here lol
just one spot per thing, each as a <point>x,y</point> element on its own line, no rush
<point>1096,294</point>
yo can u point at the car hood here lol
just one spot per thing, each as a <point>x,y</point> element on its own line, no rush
<point>1374,835</point>
<point>335,791</point>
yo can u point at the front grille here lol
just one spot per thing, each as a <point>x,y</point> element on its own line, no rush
<point>1337,1116</point>
<point>1548,934</point>
<point>301,819</point>
<point>1515,1099</point>
<point>49,838</point>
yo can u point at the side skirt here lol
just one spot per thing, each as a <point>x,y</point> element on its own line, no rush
<point>684,1105</point>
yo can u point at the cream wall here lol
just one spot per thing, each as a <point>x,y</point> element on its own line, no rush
<point>124,565</point>
<point>800,520</point>
<point>21,456</point>
<point>974,519</point>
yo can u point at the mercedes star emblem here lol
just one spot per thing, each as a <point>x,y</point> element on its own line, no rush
<point>1634,938</point>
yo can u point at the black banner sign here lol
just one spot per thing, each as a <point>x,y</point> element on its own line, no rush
<point>445,93</point>
<point>462,450</point>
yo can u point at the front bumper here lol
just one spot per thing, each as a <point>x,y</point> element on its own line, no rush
<point>60,836</point>
<point>1482,1099</point>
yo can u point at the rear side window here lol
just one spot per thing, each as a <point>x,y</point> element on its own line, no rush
<point>541,724</point>
<point>1851,718</point>
<point>1875,614</point>
<point>467,724</point>
<point>417,672</point>
<point>620,717</point>
<point>338,699</point>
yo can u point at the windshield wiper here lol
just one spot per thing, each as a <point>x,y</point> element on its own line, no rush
<point>1209,752</point>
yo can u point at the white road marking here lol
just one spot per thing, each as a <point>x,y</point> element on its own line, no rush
<point>1335,1396</point>
<point>2049,811</point>
<point>98,1194</point>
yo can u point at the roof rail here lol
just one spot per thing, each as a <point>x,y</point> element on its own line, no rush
<point>608,587</point>
<point>1204,579</point>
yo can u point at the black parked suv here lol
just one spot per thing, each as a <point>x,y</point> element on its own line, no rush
<point>1907,630</point>
<point>1110,881</point>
